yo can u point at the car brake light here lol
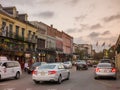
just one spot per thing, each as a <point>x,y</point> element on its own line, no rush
<point>113,70</point>
<point>97,70</point>
<point>34,72</point>
<point>52,72</point>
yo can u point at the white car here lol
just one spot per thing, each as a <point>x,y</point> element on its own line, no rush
<point>105,70</point>
<point>50,72</point>
<point>9,69</point>
<point>68,64</point>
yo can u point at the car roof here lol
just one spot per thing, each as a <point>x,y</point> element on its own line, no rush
<point>104,63</point>
<point>105,59</point>
<point>8,61</point>
<point>52,63</point>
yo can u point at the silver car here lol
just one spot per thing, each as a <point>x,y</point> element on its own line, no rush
<point>105,70</point>
<point>50,72</point>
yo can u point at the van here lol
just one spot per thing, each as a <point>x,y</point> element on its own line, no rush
<point>10,69</point>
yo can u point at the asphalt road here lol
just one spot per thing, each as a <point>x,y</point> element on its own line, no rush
<point>79,80</point>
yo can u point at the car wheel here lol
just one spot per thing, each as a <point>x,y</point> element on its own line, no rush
<point>68,77</point>
<point>0,77</point>
<point>59,79</point>
<point>36,82</point>
<point>95,77</point>
<point>115,78</point>
<point>17,75</point>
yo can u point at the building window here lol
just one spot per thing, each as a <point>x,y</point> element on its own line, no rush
<point>23,32</point>
<point>10,30</point>
<point>29,35</point>
<point>4,28</point>
<point>17,30</point>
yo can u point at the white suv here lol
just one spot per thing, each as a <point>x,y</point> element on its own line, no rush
<point>9,69</point>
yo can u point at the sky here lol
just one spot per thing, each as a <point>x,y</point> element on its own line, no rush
<point>87,21</point>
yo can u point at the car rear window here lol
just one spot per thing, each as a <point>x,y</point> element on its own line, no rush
<point>47,67</point>
<point>104,65</point>
<point>36,64</point>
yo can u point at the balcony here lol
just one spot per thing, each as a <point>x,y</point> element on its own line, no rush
<point>16,36</point>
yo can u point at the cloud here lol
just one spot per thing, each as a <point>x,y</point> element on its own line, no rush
<point>93,34</point>
<point>111,18</point>
<point>48,1</point>
<point>80,40</point>
<point>46,14</point>
<point>106,33</point>
<point>96,26</point>
<point>73,30</point>
<point>72,2</point>
<point>84,26</point>
<point>80,18</point>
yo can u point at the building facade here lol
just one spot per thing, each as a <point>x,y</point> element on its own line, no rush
<point>51,44</point>
<point>41,40</point>
<point>59,46</point>
<point>117,53</point>
<point>67,46</point>
<point>17,35</point>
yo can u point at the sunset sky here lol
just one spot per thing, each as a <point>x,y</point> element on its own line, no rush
<point>88,21</point>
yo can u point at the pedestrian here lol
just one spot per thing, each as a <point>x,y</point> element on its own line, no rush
<point>26,66</point>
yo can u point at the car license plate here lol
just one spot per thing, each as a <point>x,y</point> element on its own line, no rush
<point>106,71</point>
<point>42,73</point>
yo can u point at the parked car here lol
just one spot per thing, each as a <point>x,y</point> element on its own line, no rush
<point>77,62</point>
<point>82,65</point>
<point>50,72</point>
<point>105,70</point>
<point>67,64</point>
<point>34,66</point>
<point>10,69</point>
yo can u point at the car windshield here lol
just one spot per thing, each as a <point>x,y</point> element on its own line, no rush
<point>47,67</point>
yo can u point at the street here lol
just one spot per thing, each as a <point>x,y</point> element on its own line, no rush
<point>79,80</point>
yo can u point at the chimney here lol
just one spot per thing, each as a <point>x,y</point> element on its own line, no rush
<point>11,10</point>
<point>23,17</point>
<point>51,25</point>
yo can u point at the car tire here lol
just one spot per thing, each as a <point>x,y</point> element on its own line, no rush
<point>115,78</point>
<point>0,77</point>
<point>36,82</point>
<point>68,77</point>
<point>17,76</point>
<point>95,78</point>
<point>59,79</point>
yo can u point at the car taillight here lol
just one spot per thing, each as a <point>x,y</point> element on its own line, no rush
<point>52,72</point>
<point>113,70</point>
<point>97,70</point>
<point>34,72</point>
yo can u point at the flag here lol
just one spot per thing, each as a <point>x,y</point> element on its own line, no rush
<point>97,44</point>
<point>103,44</point>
